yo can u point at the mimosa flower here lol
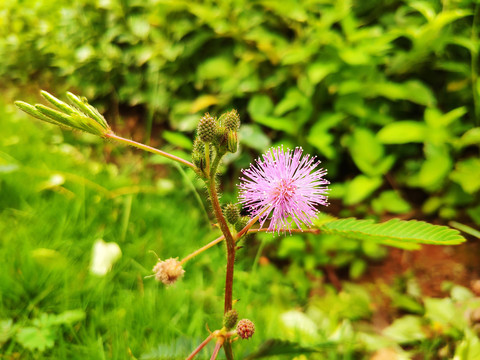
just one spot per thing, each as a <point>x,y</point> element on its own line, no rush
<point>288,185</point>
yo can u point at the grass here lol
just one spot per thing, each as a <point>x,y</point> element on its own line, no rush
<point>62,191</point>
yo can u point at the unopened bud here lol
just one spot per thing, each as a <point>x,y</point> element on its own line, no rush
<point>206,129</point>
<point>230,120</point>
<point>245,329</point>
<point>232,141</point>
<point>230,319</point>
<point>168,271</point>
<point>241,223</point>
<point>232,213</point>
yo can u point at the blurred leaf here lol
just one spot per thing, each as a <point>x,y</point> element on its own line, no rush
<point>467,174</point>
<point>405,330</point>
<point>391,202</point>
<point>368,153</point>
<point>402,132</point>
<point>319,70</point>
<point>469,347</point>
<point>215,67</point>
<point>49,258</point>
<point>274,347</point>
<point>7,330</point>
<point>254,137</point>
<point>360,188</point>
<point>298,324</point>
<point>470,137</point>
<point>444,311</point>
<point>260,105</point>
<point>203,102</point>
<point>177,139</point>
<point>33,338</point>
<point>357,268</point>
<point>278,123</point>
<point>69,317</point>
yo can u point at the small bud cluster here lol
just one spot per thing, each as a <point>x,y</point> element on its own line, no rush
<point>221,133</point>
<point>80,115</point>
<point>168,271</point>
<point>245,329</point>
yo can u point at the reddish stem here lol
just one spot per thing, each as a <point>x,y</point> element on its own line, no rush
<point>200,347</point>
<point>218,346</point>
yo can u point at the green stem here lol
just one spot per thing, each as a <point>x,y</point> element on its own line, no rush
<point>153,150</point>
<point>227,347</point>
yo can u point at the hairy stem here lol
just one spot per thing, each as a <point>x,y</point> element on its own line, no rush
<point>200,347</point>
<point>153,150</point>
<point>229,239</point>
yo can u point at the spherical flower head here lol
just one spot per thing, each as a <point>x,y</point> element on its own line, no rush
<point>245,329</point>
<point>168,271</point>
<point>286,186</point>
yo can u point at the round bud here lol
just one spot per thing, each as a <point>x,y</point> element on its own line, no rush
<point>232,213</point>
<point>206,129</point>
<point>231,120</point>
<point>230,319</point>
<point>245,329</point>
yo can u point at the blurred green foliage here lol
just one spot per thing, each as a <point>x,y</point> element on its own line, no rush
<point>381,90</point>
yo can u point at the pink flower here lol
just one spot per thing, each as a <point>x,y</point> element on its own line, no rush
<point>288,184</point>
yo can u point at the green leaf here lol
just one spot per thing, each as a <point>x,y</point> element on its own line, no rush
<point>360,188</point>
<point>394,232</point>
<point>252,136</point>
<point>402,132</point>
<point>33,338</point>
<point>278,123</point>
<point>406,330</point>
<point>260,105</point>
<point>467,174</point>
<point>470,137</point>
<point>274,347</point>
<point>445,312</point>
<point>391,202</point>
<point>469,348</point>
<point>368,153</point>
<point>177,139</point>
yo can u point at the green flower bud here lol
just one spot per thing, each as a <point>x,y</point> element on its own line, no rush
<point>231,120</point>
<point>206,129</point>
<point>232,141</point>
<point>241,223</point>
<point>230,319</point>
<point>198,157</point>
<point>232,213</point>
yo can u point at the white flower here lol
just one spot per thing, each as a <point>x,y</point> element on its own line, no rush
<point>104,255</point>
